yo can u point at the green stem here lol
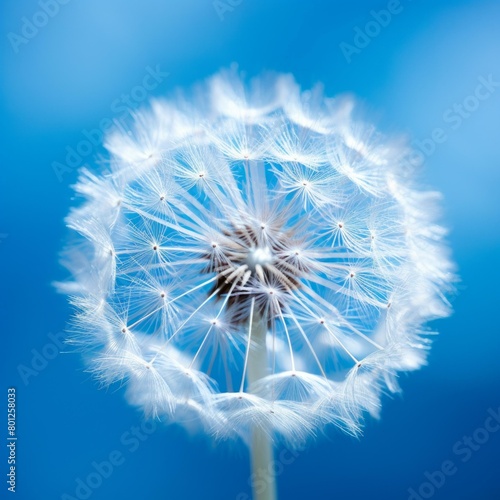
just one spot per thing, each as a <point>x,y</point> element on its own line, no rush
<point>261,448</point>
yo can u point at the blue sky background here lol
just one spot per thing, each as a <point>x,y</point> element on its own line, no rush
<point>66,79</point>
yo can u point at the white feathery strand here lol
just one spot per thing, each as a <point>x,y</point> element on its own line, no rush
<point>250,324</point>
<point>307,341</point>
<point>292,359</point>
<point>185,322</point>
<point>325,325</point>
<point>212,325</point>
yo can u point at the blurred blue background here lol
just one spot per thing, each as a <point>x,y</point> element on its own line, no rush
<point>64,77</point>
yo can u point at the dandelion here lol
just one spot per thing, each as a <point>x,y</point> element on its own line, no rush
<point>256,261</point>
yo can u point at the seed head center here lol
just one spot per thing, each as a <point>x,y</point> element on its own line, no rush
<point>259,256</point>
<point>255,268</point>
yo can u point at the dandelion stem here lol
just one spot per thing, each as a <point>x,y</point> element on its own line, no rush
<point>261,448</point>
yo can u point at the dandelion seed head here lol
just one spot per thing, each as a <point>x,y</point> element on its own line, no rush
<point>265,205</point>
